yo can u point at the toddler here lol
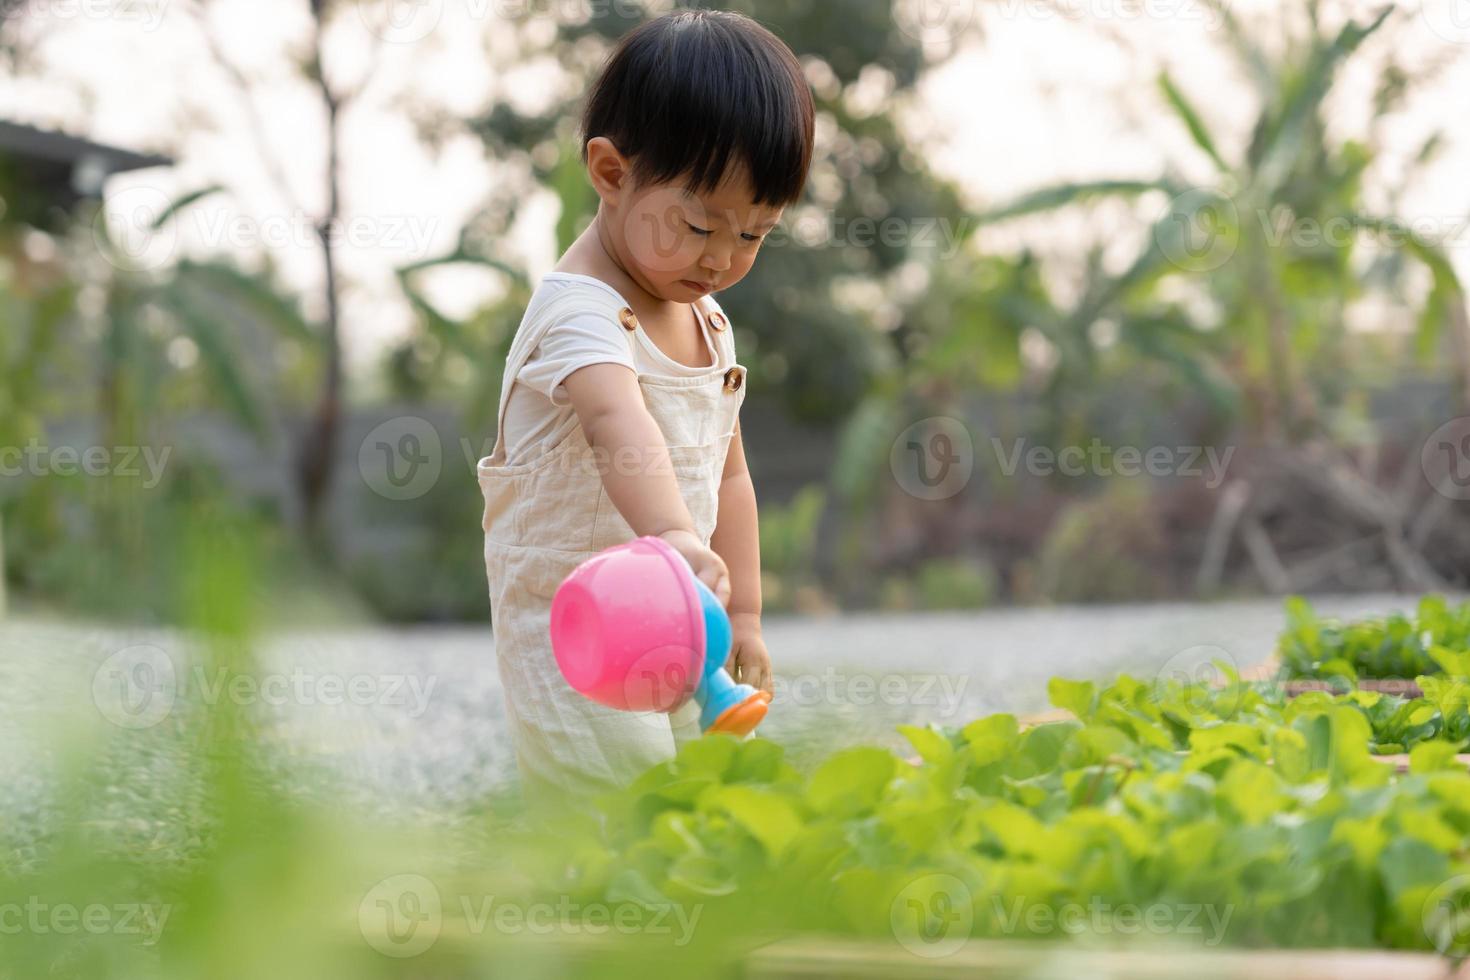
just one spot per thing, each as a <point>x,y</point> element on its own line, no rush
<point>620,403</point>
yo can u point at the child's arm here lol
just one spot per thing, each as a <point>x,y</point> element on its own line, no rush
<point>637,474</point>
<point>737,540</point>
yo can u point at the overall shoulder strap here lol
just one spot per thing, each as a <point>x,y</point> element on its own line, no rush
<point>720,328</point>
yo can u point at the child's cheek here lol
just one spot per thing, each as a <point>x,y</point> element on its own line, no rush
<point>656,229</point>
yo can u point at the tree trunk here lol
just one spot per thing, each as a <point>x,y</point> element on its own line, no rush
<point>318,453</point>
<point>2,564</point>
<point>1460,343</point>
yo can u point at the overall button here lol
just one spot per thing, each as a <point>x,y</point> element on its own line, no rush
<point>627,318</point>
<point>734,378</point>
<point>718,321</point>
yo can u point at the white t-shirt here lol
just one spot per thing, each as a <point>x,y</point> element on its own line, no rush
<point>539,408</point>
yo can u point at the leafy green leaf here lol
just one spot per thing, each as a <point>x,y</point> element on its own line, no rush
<point>851,781</point>
<point>769,817</point>
<point>930,744</point>
<point>1078,697</point>
<point>1433,757</point>
<point>1192,121</point>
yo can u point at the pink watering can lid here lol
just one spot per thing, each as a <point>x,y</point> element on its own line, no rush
<point>613,613</point>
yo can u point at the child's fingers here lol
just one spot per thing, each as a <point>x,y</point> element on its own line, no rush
<point>761,676</point>
<point>756,672</point>
<point>717,582</point>
<point>723,590</point>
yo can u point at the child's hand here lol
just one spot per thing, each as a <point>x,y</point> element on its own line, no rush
<point>749,662</point>
<point>708,567</point>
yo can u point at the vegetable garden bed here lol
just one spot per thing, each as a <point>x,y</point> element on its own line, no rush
<point>801,959</point>
<point>1326,834</point>
<point>1386,654</point>
<point>820,955</point>
<point>1158,796</point>
<point>1394,688</point>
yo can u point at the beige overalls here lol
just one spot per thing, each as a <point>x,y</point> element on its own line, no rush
<point>544,517</point>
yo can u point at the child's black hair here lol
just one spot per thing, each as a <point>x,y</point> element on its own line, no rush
<point>688,93</point>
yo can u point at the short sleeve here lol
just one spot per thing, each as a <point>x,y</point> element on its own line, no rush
<point>574,341</point>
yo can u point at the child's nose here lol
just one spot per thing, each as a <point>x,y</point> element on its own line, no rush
<point>716,257</point>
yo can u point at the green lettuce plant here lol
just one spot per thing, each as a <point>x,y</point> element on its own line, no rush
<point>1435,640</point>
<point>1269,814</point>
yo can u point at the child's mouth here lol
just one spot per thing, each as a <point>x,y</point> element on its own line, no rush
<point>698,287</point>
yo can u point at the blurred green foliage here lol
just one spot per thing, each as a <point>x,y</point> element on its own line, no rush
<point>1242,287</point>
<point>121,357</point>
<point>1434,640</point>
<point>1109,548</point>
<point>189,855</point>
<point>1229,315</point>
<point>788,540</point>
<point>941,583</point>
<point>1163,792</point>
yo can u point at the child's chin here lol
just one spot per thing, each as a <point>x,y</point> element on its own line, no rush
<point>687,291</point>
<point>677,292</point>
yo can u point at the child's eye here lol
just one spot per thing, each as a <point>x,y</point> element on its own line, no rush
<point>696,230</point>
<point>751,238</point>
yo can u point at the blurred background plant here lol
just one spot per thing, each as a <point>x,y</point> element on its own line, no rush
<point>1264,294</point>
<point>1255,297</point>
<point>136,362</point>
<point>1263,311</point>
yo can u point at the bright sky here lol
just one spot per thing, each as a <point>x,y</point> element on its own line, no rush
<point>1039,92</point>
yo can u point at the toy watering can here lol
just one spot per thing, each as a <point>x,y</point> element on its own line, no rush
<point>634,629</point>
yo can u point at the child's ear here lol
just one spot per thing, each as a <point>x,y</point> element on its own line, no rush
<point>608,169</point>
